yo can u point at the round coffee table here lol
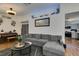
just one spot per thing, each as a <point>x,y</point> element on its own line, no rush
<point>26,49</point>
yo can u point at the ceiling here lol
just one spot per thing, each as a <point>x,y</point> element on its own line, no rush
<point>72,15</point>
<point>24,8</point>
<point>19,8</point>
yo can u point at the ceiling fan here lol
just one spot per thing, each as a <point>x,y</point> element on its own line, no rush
<point>11,11</point>
<point>7,13</point>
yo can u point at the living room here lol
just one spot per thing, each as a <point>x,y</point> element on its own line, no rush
<point>35,29</point>
<point>36,21</point>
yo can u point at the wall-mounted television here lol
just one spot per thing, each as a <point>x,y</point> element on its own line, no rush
<point>42,22</point>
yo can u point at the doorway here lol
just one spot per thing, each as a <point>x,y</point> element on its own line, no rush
<point>25,29</point>
<point>72,34</point>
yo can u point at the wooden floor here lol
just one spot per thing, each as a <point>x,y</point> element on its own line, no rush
<point>6,45</point>
<point>71,50</point>
<point>72,47</point>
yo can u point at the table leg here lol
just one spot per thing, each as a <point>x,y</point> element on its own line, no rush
<point>30,51</point>
<point>11,52</point>
<point>41,50</point>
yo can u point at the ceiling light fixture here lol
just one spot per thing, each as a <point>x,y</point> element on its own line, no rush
<point>11,12</point>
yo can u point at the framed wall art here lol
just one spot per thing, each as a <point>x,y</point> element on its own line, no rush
<point>42,22</point>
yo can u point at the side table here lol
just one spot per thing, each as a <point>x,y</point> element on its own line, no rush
<point>26,49</point>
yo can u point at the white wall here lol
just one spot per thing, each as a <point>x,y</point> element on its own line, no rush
<point>57,22</point>
<point>56,25</point>
<point>69,8</point>
<point>6,25</point>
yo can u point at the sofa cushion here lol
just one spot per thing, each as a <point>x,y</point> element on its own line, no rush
<point>45,36</point>
<point>37,36</point>
<point>55,37</point>
<point>34,39</point>
<point>54,48</point>
<point>37,42</point>
<point>30,35</point>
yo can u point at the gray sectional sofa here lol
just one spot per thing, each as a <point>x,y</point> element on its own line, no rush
<point>52,45</point>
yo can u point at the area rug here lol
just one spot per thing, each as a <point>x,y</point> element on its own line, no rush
<point>35,51</point>
<point>1,49</point>
<point>4,51</point>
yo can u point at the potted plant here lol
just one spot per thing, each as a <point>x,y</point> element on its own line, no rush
<point>19,38</point>
<point>19,41</point>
